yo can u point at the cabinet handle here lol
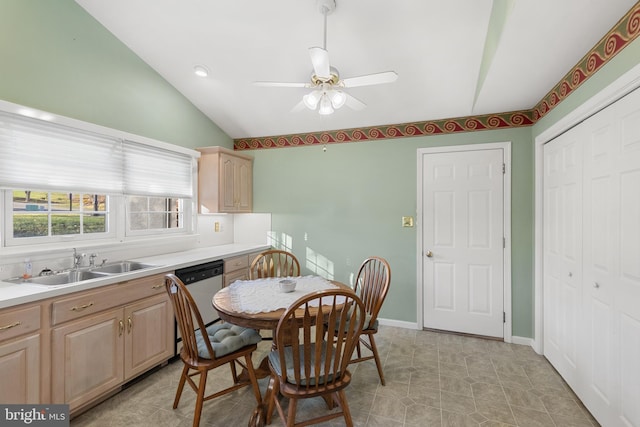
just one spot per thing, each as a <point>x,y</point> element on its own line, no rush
<point>157,286</point>
<point>120,327</point>
<point>13,325</point>
<point>81,307</point>
<point>129,324</point>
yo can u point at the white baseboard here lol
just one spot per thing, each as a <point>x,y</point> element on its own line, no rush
<point>398,323</point>
<point>522,341</point>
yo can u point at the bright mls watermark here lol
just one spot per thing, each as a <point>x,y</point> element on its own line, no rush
<point>34,415</point>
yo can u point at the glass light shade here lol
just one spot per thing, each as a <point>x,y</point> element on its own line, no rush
<point>338,98</point>
<point>325,105</point>
<point>311,99</point>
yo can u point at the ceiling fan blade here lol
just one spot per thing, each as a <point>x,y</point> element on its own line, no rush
<point>354,103</point>
<point>320,61</point>
<point>281,84</point>
<point>371,79</point>
<point>298,107</point>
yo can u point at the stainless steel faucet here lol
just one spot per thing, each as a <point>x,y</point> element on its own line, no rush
<point>92,260</point>
<point>77,258</point>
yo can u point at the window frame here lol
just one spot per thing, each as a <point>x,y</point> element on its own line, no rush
<point>117,217</point>
<point>10,241</point>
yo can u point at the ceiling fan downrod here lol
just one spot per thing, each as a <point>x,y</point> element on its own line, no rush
<point>326,7</point>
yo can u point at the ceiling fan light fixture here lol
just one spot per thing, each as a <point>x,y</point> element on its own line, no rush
<point>325,105</point>
<point>311,99</point>
<point>338,98</point>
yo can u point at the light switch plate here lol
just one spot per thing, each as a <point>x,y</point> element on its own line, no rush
<point>407,221</point>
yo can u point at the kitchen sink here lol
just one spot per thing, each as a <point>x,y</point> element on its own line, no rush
<point>62,278</point>
<point>73,276</point>
<point>121,267</point>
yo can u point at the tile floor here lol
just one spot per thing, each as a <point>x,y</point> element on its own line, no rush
<point>433,379</point>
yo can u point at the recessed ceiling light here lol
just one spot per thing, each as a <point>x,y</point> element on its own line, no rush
<point>201,71</point>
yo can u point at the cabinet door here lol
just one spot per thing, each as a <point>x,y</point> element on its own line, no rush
<point>19,370</point>
<point>87,358</point>
<point>229,278</point>
<point>227,183</point>
<point>149,334</point>
<point>243,185</point>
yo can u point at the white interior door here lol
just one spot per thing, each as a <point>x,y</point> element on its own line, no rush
<point>591,248</point>
<point>612,264</point>
<point>463,239</point>
<point>563,250</point>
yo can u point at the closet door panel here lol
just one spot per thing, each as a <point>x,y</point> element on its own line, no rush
<point>600,260</point>
<point>628,291</point>
<point>563,251</point>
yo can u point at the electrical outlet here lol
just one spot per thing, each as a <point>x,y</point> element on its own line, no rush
<point>216,227</point>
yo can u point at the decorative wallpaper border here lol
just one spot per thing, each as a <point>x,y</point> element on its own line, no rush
<point>434,127</point>
<point>620,36</point>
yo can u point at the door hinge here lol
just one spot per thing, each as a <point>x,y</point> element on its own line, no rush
<point>504,317</point>
<point>504,242</point>
<point>504,168</point>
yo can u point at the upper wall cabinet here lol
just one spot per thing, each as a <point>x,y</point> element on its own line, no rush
<point>225,181</point>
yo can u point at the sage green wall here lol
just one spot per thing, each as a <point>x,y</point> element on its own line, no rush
<point>56,57</point>
<point>347,203</point>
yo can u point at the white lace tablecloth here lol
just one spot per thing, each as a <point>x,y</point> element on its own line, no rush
<point>264,295</point>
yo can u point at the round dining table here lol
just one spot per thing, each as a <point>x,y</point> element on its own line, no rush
<point>225,302</point>
<point>267,320</point>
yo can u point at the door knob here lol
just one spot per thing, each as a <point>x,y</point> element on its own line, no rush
<point>429,254</point>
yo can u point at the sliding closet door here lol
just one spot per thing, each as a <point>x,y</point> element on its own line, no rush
<point>563,251</point>
<point>627,294</point>
<point>592,261</point>
<point>600,265</point>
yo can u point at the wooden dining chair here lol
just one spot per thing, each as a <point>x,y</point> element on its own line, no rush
<point>222,344</point>
<point>274,263</point>
<point>312,362</point>
<point>372,285</point>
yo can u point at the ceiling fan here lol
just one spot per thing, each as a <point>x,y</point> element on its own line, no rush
<point>327,94</point>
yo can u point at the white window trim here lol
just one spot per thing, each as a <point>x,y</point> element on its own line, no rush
<point>10,241</point>
<point>117,202</point>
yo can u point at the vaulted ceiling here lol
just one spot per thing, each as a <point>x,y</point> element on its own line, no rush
<point>454,58</point>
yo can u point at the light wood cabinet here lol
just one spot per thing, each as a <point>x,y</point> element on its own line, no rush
<point>94,353</point>
<point>149,334</point>
<point>237,268</point>
<point>225,181</point>
<point>20,355</point>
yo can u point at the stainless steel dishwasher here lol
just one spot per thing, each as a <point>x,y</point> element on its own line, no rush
<point>202,281</point>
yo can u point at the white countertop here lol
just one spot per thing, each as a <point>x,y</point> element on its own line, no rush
<point>12,294</point>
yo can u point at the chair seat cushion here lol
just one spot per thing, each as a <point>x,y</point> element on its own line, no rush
<point>274,360</point>
<point>367,322</point>
<point>226,338</point>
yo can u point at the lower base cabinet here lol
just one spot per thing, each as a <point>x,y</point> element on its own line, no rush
<point>20,355</point>
<point>20,370</point>
<point>99,352</point>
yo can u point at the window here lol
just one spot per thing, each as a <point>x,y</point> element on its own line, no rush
<point>47,214</point>
<point>64,180</point>
<point>154,213</point>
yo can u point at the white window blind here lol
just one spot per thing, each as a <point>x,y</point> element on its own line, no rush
<point>153,171</point>
<point>47,156</point>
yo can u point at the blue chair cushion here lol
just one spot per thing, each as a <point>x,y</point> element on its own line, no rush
<point>274,359</point>
<point>226,338</point>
